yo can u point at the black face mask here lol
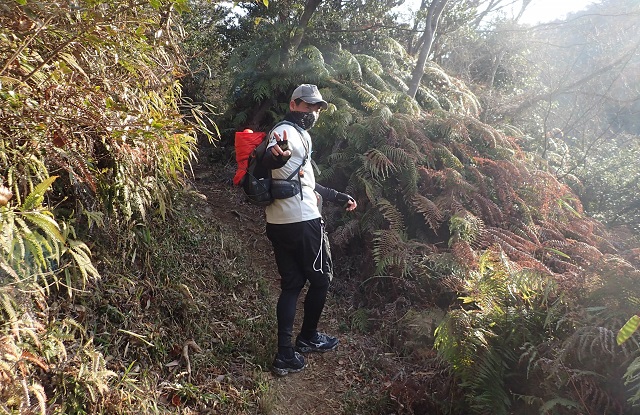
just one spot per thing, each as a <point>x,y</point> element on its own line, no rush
<point>305,120</point>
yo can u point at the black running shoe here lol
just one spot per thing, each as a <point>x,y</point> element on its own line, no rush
<point>282,366</point>
<point>319,343</point>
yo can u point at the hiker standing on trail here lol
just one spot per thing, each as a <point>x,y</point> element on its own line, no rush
<point>296,231</point>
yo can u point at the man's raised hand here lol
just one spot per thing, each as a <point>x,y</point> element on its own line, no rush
<point>282,146</point>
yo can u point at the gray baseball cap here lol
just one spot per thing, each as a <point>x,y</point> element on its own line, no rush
<point>309,94</point>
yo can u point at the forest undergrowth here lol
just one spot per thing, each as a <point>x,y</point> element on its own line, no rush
<point>134,282</point>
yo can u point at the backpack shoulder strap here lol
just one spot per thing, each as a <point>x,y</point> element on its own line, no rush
<point>292,124</point>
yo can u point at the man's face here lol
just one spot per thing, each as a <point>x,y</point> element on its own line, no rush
<point>306,107</point>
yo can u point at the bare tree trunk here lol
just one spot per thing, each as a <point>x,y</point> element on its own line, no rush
<point>309,8</point>
<point>413,48</point>
<point>433,16</point>
<point>497,60</point>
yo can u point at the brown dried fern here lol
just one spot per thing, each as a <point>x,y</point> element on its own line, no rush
<point>432,214</point>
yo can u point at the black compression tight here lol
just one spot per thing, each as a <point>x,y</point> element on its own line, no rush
<point>296,248</point>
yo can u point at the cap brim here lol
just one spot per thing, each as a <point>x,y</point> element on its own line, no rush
<point>311,101</point>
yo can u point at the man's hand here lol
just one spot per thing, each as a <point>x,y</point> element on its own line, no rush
<point>348,202</point>
<point>281,141</point>
<point>351,205</point>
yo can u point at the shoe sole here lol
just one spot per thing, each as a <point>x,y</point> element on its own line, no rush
<point>285,371</point>
<point>310,349</point>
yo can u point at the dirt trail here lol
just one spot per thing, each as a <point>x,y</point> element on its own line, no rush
<point>330,378</point>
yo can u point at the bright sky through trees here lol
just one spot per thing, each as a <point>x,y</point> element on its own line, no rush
<point>539,11</point>
<point>547,10</point>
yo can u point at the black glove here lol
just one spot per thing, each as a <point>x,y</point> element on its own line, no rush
<point>283,144</point>
<point>343,199</point>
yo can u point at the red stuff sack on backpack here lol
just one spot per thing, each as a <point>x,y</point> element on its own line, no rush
<point>245,142</point>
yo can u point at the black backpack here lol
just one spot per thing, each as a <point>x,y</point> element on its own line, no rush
<point>257,181</point>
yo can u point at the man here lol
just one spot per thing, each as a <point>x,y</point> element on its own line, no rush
<point>296,231</point>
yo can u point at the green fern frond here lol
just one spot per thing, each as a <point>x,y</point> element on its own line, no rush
<point>368,100</point>
<point>397,82</point>
<point>36,197</point>
<point>370,64</point>
<point>427,99</point>
<point>343,234</point>
<point>466,227</point>
<point>455,181</point>
<point>398,156</point>
<point>632,380</point>
<point>483,134</point>
<point>453,129</point>
<point>314,54</point>
<point>434,74</point>
<point>487,380</point>
<point>548,406</point>
<point>44,221</point>
<point>376,82</point>
<point>347,66</point>
<point>447,158</point>
<point>409,179</point>
<point>82,259</point>
<point>339,157</point>
<point>446,104</point>
<point>240,118</point>
<point>359,138</point>
<point>34,244</point>
<point>369,187</point>
<point>393,46</point>
<point>8,305</point>
<point>470,103</point>
<point>262,90</point>
<point>456,341</point>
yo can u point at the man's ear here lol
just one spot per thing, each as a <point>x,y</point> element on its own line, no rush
<point>292,105</point>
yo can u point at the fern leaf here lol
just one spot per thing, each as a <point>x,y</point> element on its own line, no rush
<point>34,243</point>
<point>45,222</point>
<point>34,246</point>
<point>36,197</point>
<point>378,163</point>
<point>398,156</point>
<point>630,327</point>
<point>82,258</point>
<point>447,158</point>
<point>432,214</point>
<point>388,250</point>
<point>550,405</point>
<point>391,214</point>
